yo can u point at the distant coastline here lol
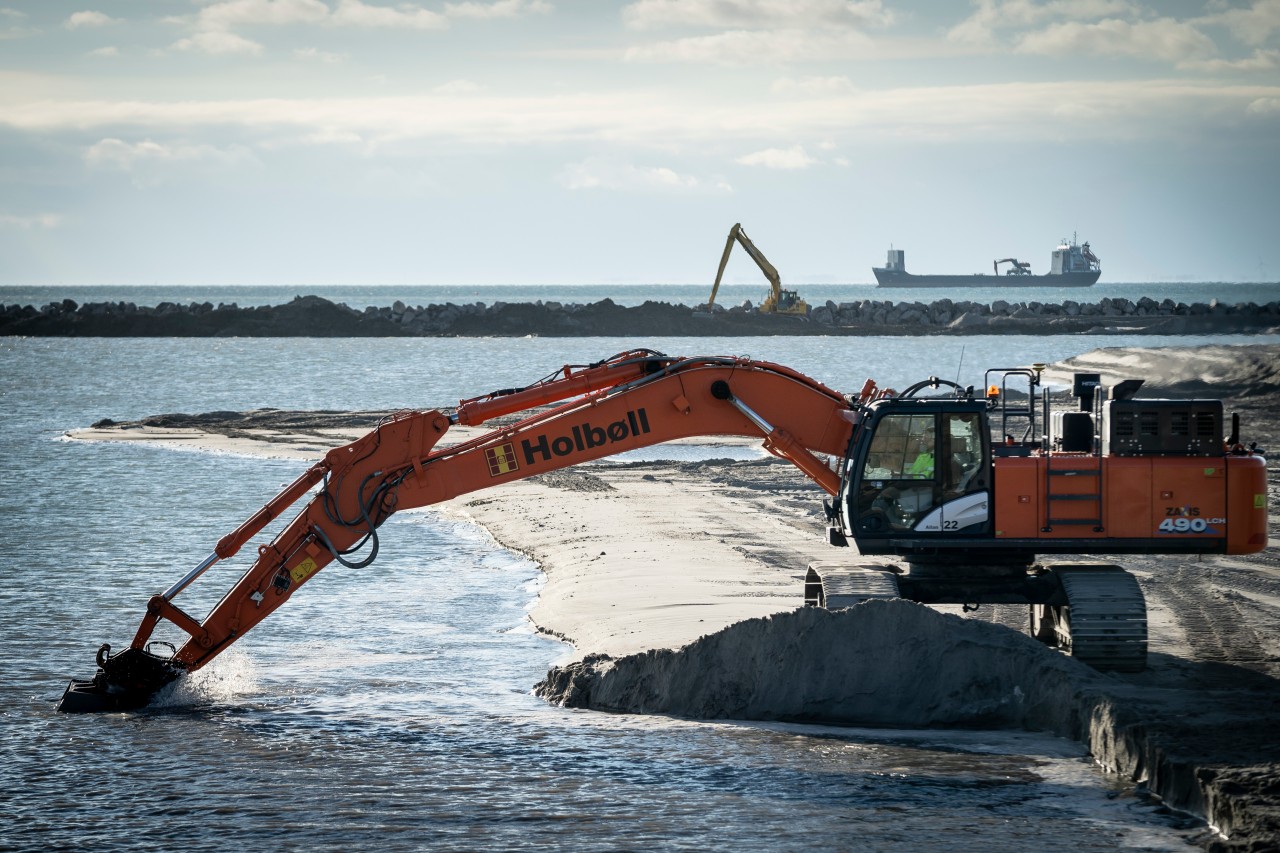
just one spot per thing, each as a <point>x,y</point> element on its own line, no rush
<point>314,316</point>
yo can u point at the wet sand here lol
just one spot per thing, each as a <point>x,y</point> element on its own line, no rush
<point>647,557</point>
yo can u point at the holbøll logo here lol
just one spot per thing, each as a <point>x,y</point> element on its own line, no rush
<point>585,436</point>
<point>501,459</point>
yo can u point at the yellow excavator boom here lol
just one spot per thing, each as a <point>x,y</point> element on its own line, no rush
<point>778,300</point>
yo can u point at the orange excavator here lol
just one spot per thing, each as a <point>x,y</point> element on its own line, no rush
<point>934,475</point>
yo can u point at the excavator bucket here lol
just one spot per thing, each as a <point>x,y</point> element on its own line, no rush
<point>125,682</point>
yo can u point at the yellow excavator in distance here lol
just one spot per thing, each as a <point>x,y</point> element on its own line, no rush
<point>778,301</point>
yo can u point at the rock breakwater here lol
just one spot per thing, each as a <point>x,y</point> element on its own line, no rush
<point>313,316</point>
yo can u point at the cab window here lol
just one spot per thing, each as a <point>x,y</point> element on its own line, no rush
<point>900,477</point>
<point>902,449</point>
<point>963,438</point>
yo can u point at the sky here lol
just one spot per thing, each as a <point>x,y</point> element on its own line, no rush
<point>586,141</point>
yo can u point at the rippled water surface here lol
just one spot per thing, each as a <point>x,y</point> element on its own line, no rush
<point>390,706</point>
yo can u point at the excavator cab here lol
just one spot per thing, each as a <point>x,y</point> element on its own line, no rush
<point>919,469</point>
<point>784,301</point>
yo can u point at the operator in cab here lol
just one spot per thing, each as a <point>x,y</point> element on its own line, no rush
<point>922,467</point>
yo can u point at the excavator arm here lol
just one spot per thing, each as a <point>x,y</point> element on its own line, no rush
<point>770,272</point>
<point>634,399</point>
<point>778,300</point>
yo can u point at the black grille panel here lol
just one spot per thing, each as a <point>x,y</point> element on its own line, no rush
<point>1164,428</point>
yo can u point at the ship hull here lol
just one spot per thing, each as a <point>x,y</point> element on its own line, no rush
<point>898,278</point>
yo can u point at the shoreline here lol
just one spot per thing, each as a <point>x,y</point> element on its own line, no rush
<point>646,556</point>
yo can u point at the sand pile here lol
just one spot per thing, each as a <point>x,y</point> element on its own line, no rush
<point>1212,371</point>
<point>881,663</point>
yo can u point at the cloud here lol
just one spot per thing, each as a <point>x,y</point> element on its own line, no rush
<point>315,54</point>
<point>1262,60</point>
<point>598,173</point>
<point>218,43</point>
<point>812,86</point>
<point>1253,25</point>
<point>1164,39</point>
<point>104,52</point>
<point>794,157</point>
<point>90,20</point>
<point>1009,14</point>
<point>754,14</point>
<point>231,13</point>
<point>122,155</point>
<point>981,28</point>
<point>356,14</point>
<point>9,26</point>
<point>497,9</point>
<point>749,47</point>
<point>213,25</point>
<point>226,14</point>
<point>1150,109</point>
<point>1264,107</point>
<point>458,87</point>
<point>1071,28</point>
<point>26,223</point>
<point>333,136</point>
<point>754,32</point>
<point>113,153</point>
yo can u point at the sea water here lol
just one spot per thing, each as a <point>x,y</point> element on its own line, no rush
<point>391,706</point>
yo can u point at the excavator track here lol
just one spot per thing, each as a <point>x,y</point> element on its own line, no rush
<point>836,586</point>
<point>1104,622</point>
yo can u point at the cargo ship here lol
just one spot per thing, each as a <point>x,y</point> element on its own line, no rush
<point>1072,265</point>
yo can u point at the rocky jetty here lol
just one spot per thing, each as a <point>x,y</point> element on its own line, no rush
<point>313,316</point>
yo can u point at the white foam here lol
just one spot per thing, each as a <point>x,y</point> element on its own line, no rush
<point>232,676</point>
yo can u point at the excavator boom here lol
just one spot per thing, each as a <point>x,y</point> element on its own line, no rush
<point>631,400</point>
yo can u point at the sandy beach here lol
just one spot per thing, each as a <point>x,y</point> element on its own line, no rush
<point>652,556</point>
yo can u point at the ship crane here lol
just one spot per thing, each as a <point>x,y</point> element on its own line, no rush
<point>1018,267</point>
